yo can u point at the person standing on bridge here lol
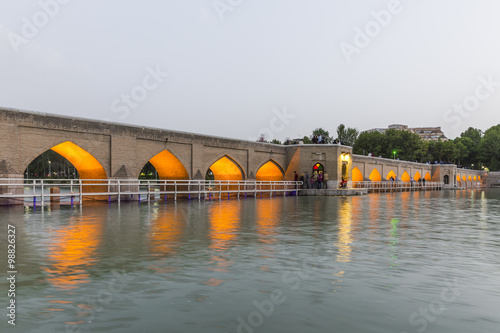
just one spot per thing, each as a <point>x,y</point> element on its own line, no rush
<point>295,176</point>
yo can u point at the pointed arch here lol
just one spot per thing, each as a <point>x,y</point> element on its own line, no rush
<point>225,168</point>
<point>479,178</point>
<point>87,165</point>
<point>375,176</point>
<point>470,178</point>
<point>428,176</point>
<point>475,178</point>
<point>168,166</point>
<point>270,171</point>
<point>464,178</point>
<point>417,176</point>
<point>391,174</point>
<point>458,178</point>
<point>357,176</point>
<point>405,177</point>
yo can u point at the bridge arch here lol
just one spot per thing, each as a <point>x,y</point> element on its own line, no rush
<point>357,175</point>
<point>226,168</point>
<point>270,171</point>
<point>417,176</point>
<point>85,163</point>
<point>168,166</point>
<point>428,177</point>
<point>405,177</point>
<point>375,176</point>
<point>391,174</point>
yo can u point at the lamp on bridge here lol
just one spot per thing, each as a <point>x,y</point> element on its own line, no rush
<point>394,154</point>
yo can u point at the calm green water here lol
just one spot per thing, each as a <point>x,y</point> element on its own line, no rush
<point>404,262</point>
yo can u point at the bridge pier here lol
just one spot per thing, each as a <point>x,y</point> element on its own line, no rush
<point>15,187</point>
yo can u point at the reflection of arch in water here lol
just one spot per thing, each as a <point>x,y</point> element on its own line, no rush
<point>224,224</point>
<point>375,176</point>
<point>270,171</point>
<point>269,214</point>
<point>74,249</point>
<point>357,176</point>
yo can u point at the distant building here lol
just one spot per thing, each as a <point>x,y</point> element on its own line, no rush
<point>425,133</point>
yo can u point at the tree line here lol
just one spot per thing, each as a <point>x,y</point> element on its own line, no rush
<point>473,149</point>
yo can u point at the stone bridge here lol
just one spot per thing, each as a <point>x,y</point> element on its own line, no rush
<point>101,150</point>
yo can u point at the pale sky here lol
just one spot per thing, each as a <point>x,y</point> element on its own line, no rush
<point>239,68</point>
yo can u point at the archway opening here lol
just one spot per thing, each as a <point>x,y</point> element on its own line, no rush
<point>390,175</point>
<point>417,176</point>
<point>458,178</point>
<point>427,176</point>
<point>405,177</point>
<point>470,178</point>
<point>479,178</point>
<point>446,179</point>
<point>475,178</point>
<point>464,178</point>
<point>148,172</point>
<point>50,165</point>
<point>318,167</point>
<point>357,176</point>
<point>375,176</point>
<point>85,166</point>
<point>166,166</point>
<point>226,169</point>
<point>269,172</point>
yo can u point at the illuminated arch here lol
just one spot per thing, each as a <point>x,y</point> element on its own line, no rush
<point>464,178</point>
<point>470,178</point>
<point>417,176</point>
<point>391,174</point>
<point>405,177</point>
<point>458,178</point>
<point>168,166</point>
<point>87,165</point>
<point>375,176</point>
<point>475,178</point>
<point>478,177</point>
<point>270,171</point>
<point>427,176</point>
<point>357,176</point>
<point>226,168</point>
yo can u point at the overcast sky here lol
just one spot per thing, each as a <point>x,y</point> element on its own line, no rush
<point>239,68</point>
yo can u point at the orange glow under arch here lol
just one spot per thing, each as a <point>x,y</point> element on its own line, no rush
<point>391,174</point>
<point>357,176</point>
<point>405,177</point>
<point>417,176</point>
<point>375,176</point>
<point>269,172</point>
<point>427,176</point>
<point>168,166</point>
<point>87,165</point>
<point>226,169</point>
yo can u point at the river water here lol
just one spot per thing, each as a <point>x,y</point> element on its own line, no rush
<point>396,262</point>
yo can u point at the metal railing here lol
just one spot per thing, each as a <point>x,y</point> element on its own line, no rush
<point>397,186</point>
<point>75,190</point>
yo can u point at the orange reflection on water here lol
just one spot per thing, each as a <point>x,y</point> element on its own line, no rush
<point>167,228</point>
<point>268,217</point>
<point>74,249</point>
<point>224,224</point>
<point>345,239</point>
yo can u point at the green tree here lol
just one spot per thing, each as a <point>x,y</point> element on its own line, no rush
<point>348,135</point>
<point>369,143</point>
<point>489,148</point>
<point>324,134</point>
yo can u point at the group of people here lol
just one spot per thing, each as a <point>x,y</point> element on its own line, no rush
<point>318,180</point>
<point>318,139</point>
